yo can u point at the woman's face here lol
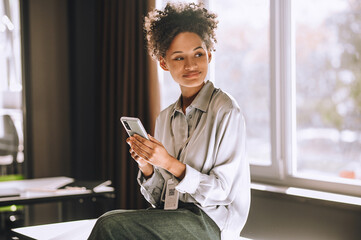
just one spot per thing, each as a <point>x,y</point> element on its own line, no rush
<point>187,60</point>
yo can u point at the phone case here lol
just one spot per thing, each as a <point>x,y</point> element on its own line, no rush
<point>134,126</point>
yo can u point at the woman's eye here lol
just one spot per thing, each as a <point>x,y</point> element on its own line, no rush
<point>178,59</point>
<point>199,54</point>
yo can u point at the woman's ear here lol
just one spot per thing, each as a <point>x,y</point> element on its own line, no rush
<point>163,64</point>
<point>209,57</point>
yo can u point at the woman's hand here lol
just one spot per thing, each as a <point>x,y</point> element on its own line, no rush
<point>153,152</point>
<point>146,168</point>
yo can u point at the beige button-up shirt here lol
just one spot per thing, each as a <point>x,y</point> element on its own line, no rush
<point>217,172</point>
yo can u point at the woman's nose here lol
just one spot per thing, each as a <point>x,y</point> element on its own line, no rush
<point>190,65</point>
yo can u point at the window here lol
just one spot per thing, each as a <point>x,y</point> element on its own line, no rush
<point>10,69</point>
<point>10,74</point>
<point>328,88</point>
<point>294,68</point>
<point>241,67</point>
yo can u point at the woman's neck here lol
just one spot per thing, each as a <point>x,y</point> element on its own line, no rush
<point>188,95</point>
<point>186,101</point>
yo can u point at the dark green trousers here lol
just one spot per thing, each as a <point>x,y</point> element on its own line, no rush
<point>187,222</point>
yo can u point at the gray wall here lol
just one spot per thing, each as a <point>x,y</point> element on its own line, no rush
<point>278,217</point>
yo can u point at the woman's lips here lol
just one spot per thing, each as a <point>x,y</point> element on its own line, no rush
<point>192,75</point>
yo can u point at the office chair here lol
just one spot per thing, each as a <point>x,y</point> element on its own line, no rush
<point>9,145</point>
<point>10,216</point>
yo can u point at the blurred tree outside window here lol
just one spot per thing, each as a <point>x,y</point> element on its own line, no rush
<point>242,67</point>
<point>328,88</point>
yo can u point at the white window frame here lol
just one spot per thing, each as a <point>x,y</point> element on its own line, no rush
<point>276,169</point>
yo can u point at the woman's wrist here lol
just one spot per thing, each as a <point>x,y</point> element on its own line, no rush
<point>147,170</point>
<point>177,168</point>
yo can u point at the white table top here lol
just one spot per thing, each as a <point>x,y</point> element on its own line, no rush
<point>76,230</point>
<point>43,188</point>
<point>42,184</point>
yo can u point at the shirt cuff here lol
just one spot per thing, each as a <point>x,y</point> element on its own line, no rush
<point>190,182</point>
<point>150,182</point>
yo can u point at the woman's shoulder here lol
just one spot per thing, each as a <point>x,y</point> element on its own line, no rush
<point>222,100</point>
<point>166,111</point>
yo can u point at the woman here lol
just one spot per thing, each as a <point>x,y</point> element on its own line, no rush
<point>194,171</point>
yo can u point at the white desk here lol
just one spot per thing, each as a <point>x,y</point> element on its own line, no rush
<point>76,230</point>
<point>46,190</point>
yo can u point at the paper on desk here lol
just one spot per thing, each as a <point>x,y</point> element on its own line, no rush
<point>40,184</point>
<point>70,187</point>
<point>84,184</point>
<point>47,184</point>
<point>9,192</point>
<point>44,186</point>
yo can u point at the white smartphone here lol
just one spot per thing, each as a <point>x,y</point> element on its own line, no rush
<point>134,126</point>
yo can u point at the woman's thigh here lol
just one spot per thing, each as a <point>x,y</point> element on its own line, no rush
<point>183,223</point>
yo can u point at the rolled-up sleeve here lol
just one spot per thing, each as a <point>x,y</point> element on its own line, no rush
<point>151,188</point>
<point>190,182</point>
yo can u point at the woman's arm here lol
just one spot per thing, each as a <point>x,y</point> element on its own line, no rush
<point>154,153</point>
<point>230,173</point>
<point>152,187</point>
<point>149,178</point>
<point>144,166</point>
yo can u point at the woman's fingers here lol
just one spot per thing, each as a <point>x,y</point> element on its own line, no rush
<point>151,151</point>
<point>142,141</point>
<point>135,152</point>
<point>134,155</point>
<point>140,151</point>
<point>154,140</point>
<point>142,146</point>
<point>143,165</point>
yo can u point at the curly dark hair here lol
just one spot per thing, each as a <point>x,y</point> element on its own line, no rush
<point>162,26</point>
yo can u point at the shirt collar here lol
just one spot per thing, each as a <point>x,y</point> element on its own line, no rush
<point>201,101</point>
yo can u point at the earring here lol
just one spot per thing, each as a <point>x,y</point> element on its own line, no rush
<point>163,65</point>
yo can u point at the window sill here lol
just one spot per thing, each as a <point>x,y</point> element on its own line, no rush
<point>307,195</point>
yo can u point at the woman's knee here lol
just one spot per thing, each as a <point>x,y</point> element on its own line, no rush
<point>110,225</point>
